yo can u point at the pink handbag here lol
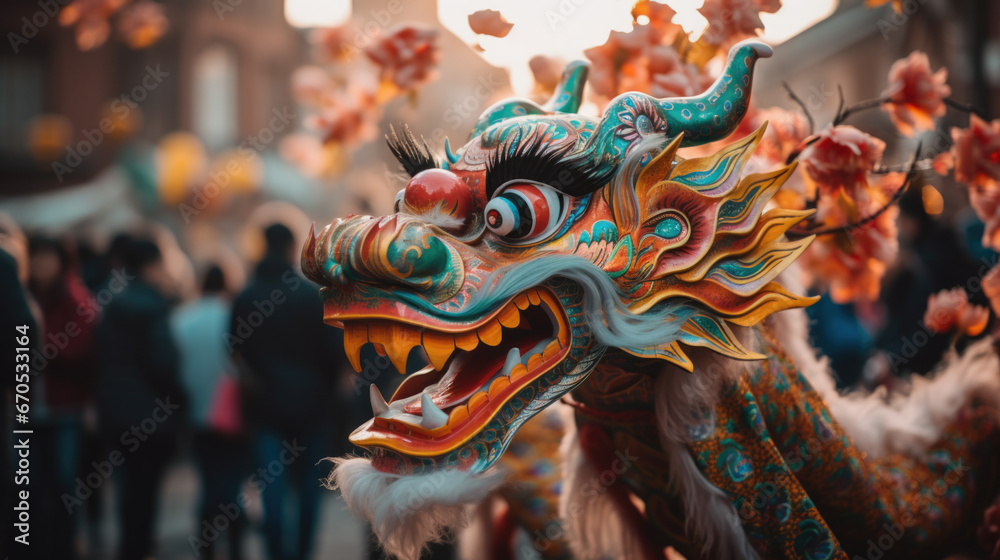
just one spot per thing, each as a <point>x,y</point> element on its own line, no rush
<point>225,415</point>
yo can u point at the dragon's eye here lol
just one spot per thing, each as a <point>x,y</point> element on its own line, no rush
<point>670,226</point>
<point>525,212</point>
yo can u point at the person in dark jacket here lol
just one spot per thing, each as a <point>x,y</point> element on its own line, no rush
<point>140,397</point>
<point>65,381</point>
<point>288,359</point>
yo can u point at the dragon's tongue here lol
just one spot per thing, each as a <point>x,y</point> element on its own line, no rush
<point>469,373</point>
<point>416,382</point>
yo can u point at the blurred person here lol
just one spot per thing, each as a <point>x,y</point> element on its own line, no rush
<point>199,327</point>
<point>288,359</point>
<point>15,244</point>
<point>837,332</point>
<point>66,373</point>
<point>140,397</point>
<point>92,266</point>
<point>931,258</point>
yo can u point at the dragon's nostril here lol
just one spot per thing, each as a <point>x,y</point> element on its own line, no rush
<point>427,262</point>
<point>436,193</point>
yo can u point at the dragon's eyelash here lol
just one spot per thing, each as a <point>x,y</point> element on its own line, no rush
<point>536,159</point>
<point>415,156</point>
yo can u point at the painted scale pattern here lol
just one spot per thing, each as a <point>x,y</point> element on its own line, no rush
<point>802,490</point>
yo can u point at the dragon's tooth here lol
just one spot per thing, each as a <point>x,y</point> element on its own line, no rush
<point>563,335</point>
<point>355,336</point>
<point>499,384</point>
<point>477,400</point>
<point>491,333</point>
<point>551,350</point>
<point>438,346</point>
<point>518,372</point>
<point>509,316</point>
<point>398,359</point>
<point>379,406</point>
<point>538,348</point>
<point>521,301</point>
<point>402,339</point>
<point>458,415</point>
<point>513,359</point>
<point>432,416</point>
<point>379,332</point>
<point>534,361</point>
<point>533,297</point>
<point>467,341</point>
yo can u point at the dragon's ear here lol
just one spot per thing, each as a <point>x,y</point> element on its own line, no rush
<point>657,170</point>
<point>627,193</point>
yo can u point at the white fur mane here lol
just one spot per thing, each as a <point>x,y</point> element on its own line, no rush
<point>882,423</point>
<point>409,512</point>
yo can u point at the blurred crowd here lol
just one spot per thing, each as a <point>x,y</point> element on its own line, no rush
<point>128,377</point>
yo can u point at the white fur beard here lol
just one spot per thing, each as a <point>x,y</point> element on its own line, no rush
<point>409,512</point>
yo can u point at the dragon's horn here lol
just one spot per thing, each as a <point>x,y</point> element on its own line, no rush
<point>569,93</point>
<point>566,99</point>
<point>705,118</point>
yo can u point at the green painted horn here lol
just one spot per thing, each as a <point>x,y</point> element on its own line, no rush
<point>569,93</point>
<point>705,118</point>
<point>566,99</point>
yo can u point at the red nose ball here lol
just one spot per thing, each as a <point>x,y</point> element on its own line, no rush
<point>436,191</point>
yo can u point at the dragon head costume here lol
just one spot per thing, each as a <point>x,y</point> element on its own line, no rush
<point>473,266</point>
<point>560,257</point>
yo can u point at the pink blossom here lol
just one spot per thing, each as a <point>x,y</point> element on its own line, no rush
<point>91,20</point>
<point>916,96</point>
<point>489,22</point>
<point>406,55</point>
<point>669,76</point>
<point>851,264</point>
<point>842,157</point>
<point>976,152</point>
<point>334,43</point>
<point>949,310</point>
<point>142,24</point>
<point>730,21</point>
<point>991,287</point>
<point>346,117</point>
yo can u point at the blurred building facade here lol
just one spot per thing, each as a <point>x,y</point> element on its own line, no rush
<point>221,73</point>
<point>217,71</point>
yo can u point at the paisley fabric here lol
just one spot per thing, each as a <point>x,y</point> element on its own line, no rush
<point>533,495</point>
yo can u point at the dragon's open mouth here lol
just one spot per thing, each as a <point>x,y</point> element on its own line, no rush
<point>474,372</point>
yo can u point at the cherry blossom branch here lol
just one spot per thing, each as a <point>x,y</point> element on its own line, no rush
<point>802,105</point>
<point>797,151</point>
<point>964,107</point>
<point>843,113</point>
<point>898,194</point>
